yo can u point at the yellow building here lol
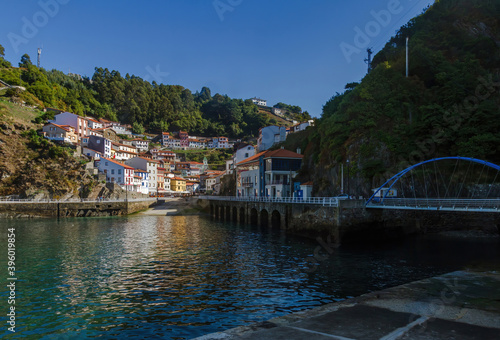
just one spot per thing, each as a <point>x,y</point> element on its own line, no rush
<point>177,184</point>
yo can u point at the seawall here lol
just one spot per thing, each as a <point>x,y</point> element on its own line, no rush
<point>71,209</point>
<point>350,220</point>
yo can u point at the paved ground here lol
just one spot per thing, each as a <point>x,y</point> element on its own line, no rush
<point>174,206</point>
<point>459,305</point>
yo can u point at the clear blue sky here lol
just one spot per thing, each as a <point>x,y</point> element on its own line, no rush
<point>283,50</point>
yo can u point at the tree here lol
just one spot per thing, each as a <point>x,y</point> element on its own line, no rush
<point>137,128</point>
<point>25,61</point>
<point>205,94</point>
<point>3,62</point>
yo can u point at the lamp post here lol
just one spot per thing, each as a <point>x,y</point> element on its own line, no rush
<point>348,177</point>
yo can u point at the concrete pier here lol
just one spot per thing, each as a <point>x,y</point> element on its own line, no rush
<point>458,305</point>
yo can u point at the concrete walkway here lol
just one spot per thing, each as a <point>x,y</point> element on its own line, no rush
<point>458,305</point>
<point>177,206</point>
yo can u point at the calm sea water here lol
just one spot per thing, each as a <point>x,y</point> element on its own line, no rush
<point>147,277</point>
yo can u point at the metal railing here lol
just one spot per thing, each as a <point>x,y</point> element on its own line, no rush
<point>452,204</point>
<point>76,200</point>
<point>325,201</point>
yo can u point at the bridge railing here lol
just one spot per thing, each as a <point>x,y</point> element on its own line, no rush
<point>74,200</point>
<point>437,203</point>
<point>324,201</point>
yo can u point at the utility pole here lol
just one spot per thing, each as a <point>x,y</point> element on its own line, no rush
<point>369,59</point>
<point>342,182</point>
<point>407,72</point>
<point>348,184</point>
<point>39,54</point>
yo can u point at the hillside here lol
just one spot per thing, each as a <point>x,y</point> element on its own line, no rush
<point>274,119</point>
<point>33,167</point>
<point>129,99</point>
<point>448,106</point>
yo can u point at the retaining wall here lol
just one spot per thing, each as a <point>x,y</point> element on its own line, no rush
<point>71,209</point>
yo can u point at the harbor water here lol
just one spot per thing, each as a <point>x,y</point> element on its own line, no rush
<point>179,277</point>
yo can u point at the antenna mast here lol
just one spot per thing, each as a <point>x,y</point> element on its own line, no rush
<point>39,54</point>
<point>369,59</point>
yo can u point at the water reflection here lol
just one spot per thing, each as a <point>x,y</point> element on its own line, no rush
<point>181,277</point>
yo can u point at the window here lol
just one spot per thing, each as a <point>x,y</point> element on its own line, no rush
<point>105,163</point>
<point>112,171</point>
<point>246,155</point>
<point>98,141</point>
<point>119,171</point>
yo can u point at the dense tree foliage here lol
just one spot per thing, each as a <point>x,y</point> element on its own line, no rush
<point>294,112</point>
<point>448,106</point>
<point>147,106</point>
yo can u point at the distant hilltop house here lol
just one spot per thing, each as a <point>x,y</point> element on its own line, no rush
<point>277,111</point>
<point>260,102</point>
<point>301,126</point>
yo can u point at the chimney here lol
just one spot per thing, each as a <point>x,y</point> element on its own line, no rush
<point>299,151</point>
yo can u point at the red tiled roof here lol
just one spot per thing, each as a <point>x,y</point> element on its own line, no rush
<point>252,159</point>
<point>119,163</point>
<point>64,127</point>
<point>282,153</point>
<point>307,183</point>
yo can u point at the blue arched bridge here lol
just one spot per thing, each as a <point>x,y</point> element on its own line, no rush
<point>442,184</point>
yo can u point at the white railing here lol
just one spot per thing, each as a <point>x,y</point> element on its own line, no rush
<point>325,201</point>
<point>76,200</point>
<point>438,204</point>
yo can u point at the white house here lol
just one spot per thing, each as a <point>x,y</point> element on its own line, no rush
<point>96,155</point>
<point>140,144</point>
<point>302,126</point>
<point>141,181</point>
<point>149,165</point>
<point>277,111</point>
<point>117,172</point>
<point>223,143</point>
<point>94,124</point>
<point>270,135</point>
<point>244,151</point>
<point>258,101</point>
<point>248,176</point>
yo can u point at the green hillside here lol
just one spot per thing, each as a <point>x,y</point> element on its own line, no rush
<point>448,106</point>
<point>130,99</point>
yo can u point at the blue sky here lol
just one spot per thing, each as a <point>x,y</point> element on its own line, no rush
<point>296,52</point>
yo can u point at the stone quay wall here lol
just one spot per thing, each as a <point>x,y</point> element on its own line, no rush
<point>349,221</point>
<point>71,209</point>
